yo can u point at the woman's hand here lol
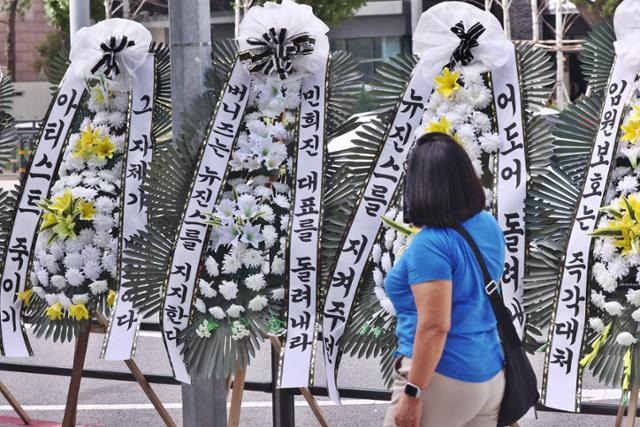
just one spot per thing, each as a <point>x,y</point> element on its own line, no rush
<point>409,412</point>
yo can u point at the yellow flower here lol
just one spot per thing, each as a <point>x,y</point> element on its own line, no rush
<point>61,204</point>
<point>442,126</point>
<point>111,299</point>
<point>104,148</point>
<point>631,131</point>
<point>25,296</point>
<point>65,228</point>
<point>98,95</point>
<point>624,228</point>
<point>49,220</point>
<point>447,83</point>
<point>79,311</point>
<point>55,311</point>
<point>86,210</point>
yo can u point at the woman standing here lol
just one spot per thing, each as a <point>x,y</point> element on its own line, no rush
<point>449,366</point>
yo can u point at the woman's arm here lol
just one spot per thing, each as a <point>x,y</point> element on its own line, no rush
<point>433,303</point>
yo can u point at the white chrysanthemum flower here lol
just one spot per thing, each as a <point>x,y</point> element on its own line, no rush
<point>270,235</point>
<point>280,187</point>
<point>74,260</point>
<point>217,312</point>
<point>43,277</point>
<point>228,289</point>
<point>625,339</point>
<point>282,201</point>
<point>80,299</point>
<point>74,277</point>
<point>385,262</point>
<point>596,324</point>
<point>258,303</point>
<point>109,261</point>
<point>378,277</point>
<point>105,205</point>
<point>56,249</point>
<point>102,239</point>
<point>384,300</point>
<point>255,282</point>
<point>628,185</point>
<point>598,299</point>
<point>614,308</point>
<point>277,266</point>
<point>267,214</point>
<point>389,238</point>
<point>633,296</point>
<point>202,330</point>
<point>200,305</point>
<point>235,310</point>
<point>58,282</point>
<point>636,315</point>
<point>230,264</point>
<point>98,287</point>
<point>253,258</point>
<point>51,299</point>
<point>49,262</point>
<point>376,253</point>
<point>207,291</point>
<point>86,238</point>
<point>40,292</point>
<point>277,294</point>
<point>284,222</point>
<point>490,142</point>
<point>92,269</point>
<point>64,300</point>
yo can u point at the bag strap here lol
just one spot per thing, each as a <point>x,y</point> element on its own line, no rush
<point>505,323</point>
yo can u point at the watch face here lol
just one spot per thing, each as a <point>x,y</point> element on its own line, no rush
<point>411,390</point>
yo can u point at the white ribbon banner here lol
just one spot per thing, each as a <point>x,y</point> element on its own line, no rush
<point>379,191</point>
<point>44,164</point>
<point>304,234</point>
<point>119,343</point>
<point>205,189</point>
<point>512,183</point>
<point>562,370</point>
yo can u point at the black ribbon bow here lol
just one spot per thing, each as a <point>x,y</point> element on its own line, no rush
<point>468,40</point>
<point>108,60</point>
<point>274,52</point>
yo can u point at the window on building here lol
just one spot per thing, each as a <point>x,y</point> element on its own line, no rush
<point>371,51</point>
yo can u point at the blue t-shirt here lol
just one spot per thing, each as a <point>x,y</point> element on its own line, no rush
<point>472,351</point>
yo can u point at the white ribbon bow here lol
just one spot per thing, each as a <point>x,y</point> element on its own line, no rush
<point>626,22</point>
<point>293,54</point>
<point>114,48</point>
<point>444,30</point>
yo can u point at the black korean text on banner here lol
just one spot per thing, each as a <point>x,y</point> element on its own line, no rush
<point>205,189</point>
<point>560,387</point>
<point>119,343</point>
<point>512,183</point>
<point>374,202</point>
<point>43,167</point>
<point>304,234</point>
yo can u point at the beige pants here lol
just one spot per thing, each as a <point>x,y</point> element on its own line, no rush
<point>450,403</point>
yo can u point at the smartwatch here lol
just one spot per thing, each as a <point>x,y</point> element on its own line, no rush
<point>412,390</point>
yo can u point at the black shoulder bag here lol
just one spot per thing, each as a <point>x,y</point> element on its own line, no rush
<point>521,389</point>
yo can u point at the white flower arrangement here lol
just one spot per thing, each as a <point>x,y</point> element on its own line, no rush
<point>241,286</point>
<point>75,257</point>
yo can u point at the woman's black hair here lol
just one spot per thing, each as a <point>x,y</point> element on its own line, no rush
<point>441,185</point>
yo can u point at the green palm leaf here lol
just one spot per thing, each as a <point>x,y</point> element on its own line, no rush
<point>598,54</point>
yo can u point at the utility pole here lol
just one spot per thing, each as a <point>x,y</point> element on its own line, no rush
<point>78,16</point>
<point>204,400</point>
<point>126,8</point>
<point>416,12</point>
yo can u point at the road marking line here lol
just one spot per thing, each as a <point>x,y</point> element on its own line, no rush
<point>587,395</point>
<point>145,406</point>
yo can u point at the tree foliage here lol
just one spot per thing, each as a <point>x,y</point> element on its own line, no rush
<point>331,12</point>
<point>57,12</point>
<point>593,11</point>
